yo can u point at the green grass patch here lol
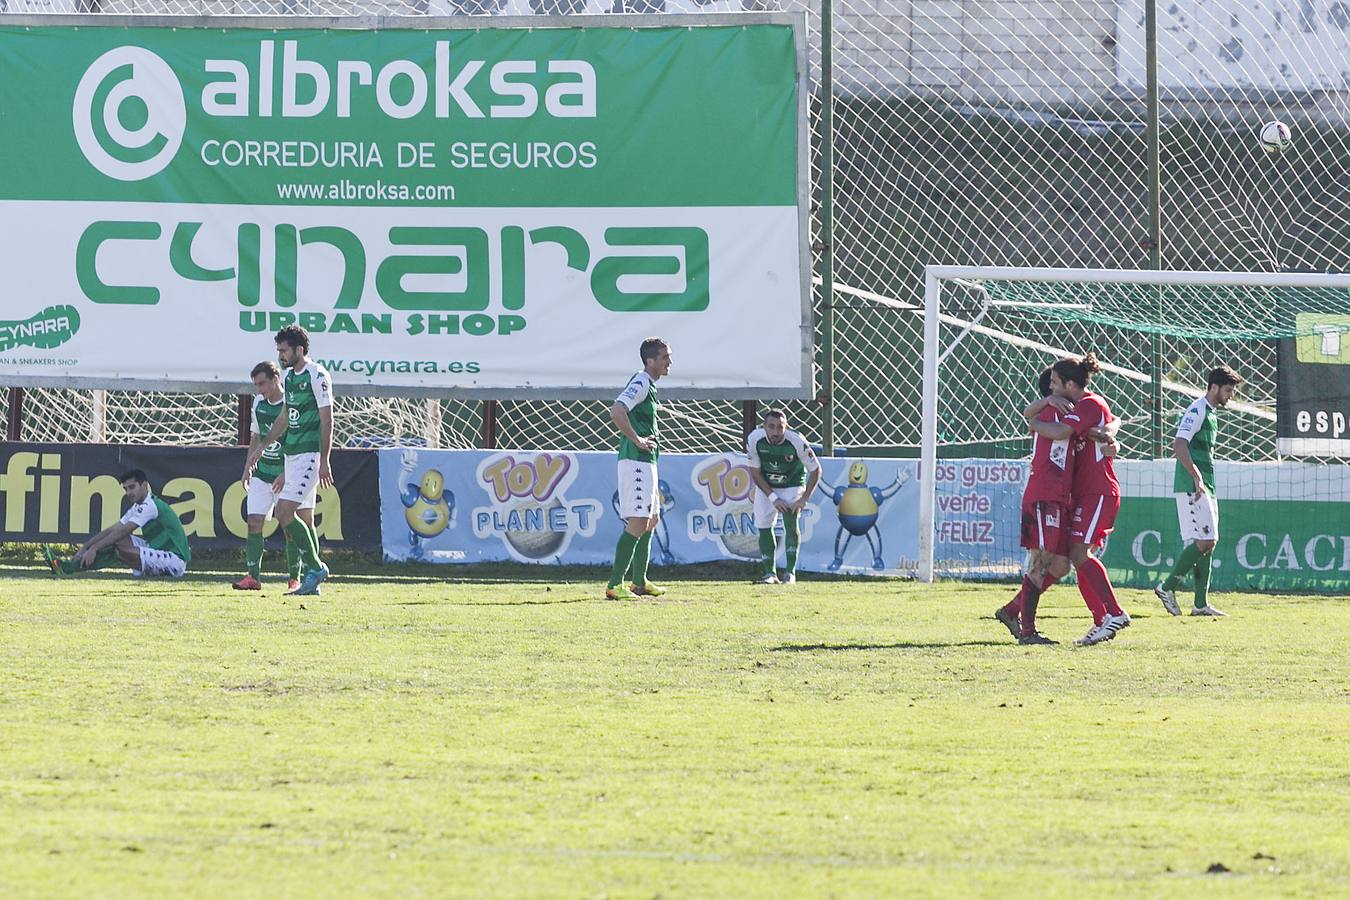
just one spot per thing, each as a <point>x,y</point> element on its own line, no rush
<point>502,731</point>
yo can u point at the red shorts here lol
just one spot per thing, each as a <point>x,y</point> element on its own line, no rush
<point>1045,526</point>
<point>1093,518</point>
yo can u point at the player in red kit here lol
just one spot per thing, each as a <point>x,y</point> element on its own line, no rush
<point>1046,515</point>
<point>1096,492</point>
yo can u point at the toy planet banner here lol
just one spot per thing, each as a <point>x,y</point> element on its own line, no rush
<point>462,506</point>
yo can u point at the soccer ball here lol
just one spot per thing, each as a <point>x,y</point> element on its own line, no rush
<point>1275,137</point>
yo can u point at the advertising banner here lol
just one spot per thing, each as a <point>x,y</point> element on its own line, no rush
<point>453,208</point>
<point>1313,409</point>
<point>979,524</point>
<point>478,506</point>
<point>63,493</point>
<point>1282,526</point>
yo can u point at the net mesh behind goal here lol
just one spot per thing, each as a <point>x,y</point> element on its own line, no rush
<point>976,132</point>
<point>997,336</point>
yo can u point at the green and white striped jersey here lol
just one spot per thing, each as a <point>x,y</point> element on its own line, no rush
<point>784,464</point>
<point>640,398</point>
<point>270,464</point>
<point>1198,426</point>
<point>307,392</point>
<point>160,526</point>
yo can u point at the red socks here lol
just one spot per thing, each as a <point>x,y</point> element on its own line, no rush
<point>1014,606</point>
<point>1096,589</point>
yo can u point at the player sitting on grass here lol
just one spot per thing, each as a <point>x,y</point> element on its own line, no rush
<point>160,549</point>
<point>779,461</point>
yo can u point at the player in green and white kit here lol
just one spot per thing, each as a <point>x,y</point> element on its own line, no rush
<point>160,549</point>
<point>265,483</point>
<point>634,415</point>
<point>1197,505</point>
<point>306,435</point>
<point>779,461</point>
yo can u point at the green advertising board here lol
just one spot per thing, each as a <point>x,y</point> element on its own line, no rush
<point>1282,526</point>
<point>448,206</point>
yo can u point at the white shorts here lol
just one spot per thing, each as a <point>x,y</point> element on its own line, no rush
<point>302,479</point>
<point>1199,519</point>
<point>261,498</point>
<point>157,562</point>
<point>766,514</point>
<point>638,491</point>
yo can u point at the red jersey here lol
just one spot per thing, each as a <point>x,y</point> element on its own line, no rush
<point>1051,476</point>
<point>1093,473</point>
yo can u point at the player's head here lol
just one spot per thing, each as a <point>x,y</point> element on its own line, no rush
<point>292,345</point>
<point>1223,384</point>
<point>775,425</point>
<point>655,353</point>
<point>135,485</point>
<point>1043,383</point>
<point>265,376</point>
<point>1070,375</point>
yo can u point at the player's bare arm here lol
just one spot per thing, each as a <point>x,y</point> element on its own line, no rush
<point>1055,431</point>
<point>273,435</point>
<point>1182,448</point>
<point>105,538</point>
<point>812,479</point>
<point>249,457</point>
<point>325,445</point>
<point>1062,404</point>
<point>619,413</point>
<point>757,476</point>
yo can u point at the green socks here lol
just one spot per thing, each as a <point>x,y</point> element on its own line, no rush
<point>253,554</point>
<point>1185,563</point>
<point>793,538</point>
<point>102,559</point>
<point>768,549</point>
<point>292,560</point>
<point>623,556</point>
<point>642,555</point>
<point>768,545</point>
<point>305,540</point>
<point>1202,579</point>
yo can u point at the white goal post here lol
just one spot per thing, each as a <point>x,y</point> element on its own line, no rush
<point>965,324</point>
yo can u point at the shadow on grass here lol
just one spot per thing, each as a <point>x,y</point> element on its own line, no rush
<point>490,602</point>
<point>900,645</point>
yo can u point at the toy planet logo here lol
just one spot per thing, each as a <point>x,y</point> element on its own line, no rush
<point>728,516</point>
<point>528,508</point>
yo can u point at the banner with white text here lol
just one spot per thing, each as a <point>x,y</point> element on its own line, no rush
<point>1282,526</point>
<point>452,208</point>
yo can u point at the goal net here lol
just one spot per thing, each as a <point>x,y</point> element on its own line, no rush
<point>989,332</point>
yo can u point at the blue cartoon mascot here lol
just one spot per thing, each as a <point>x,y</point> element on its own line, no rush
<point>858,506</point>
<point>427,505</point>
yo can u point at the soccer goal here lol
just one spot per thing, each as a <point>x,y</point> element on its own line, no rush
<point>1282,485</point>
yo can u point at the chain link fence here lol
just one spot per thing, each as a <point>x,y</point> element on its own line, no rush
<point>975,132</point>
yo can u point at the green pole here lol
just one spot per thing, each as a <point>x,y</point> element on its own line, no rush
<point>825,245</point>
<point>1154,223</point>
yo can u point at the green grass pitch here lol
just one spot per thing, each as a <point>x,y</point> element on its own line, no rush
<point>505,732</point>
